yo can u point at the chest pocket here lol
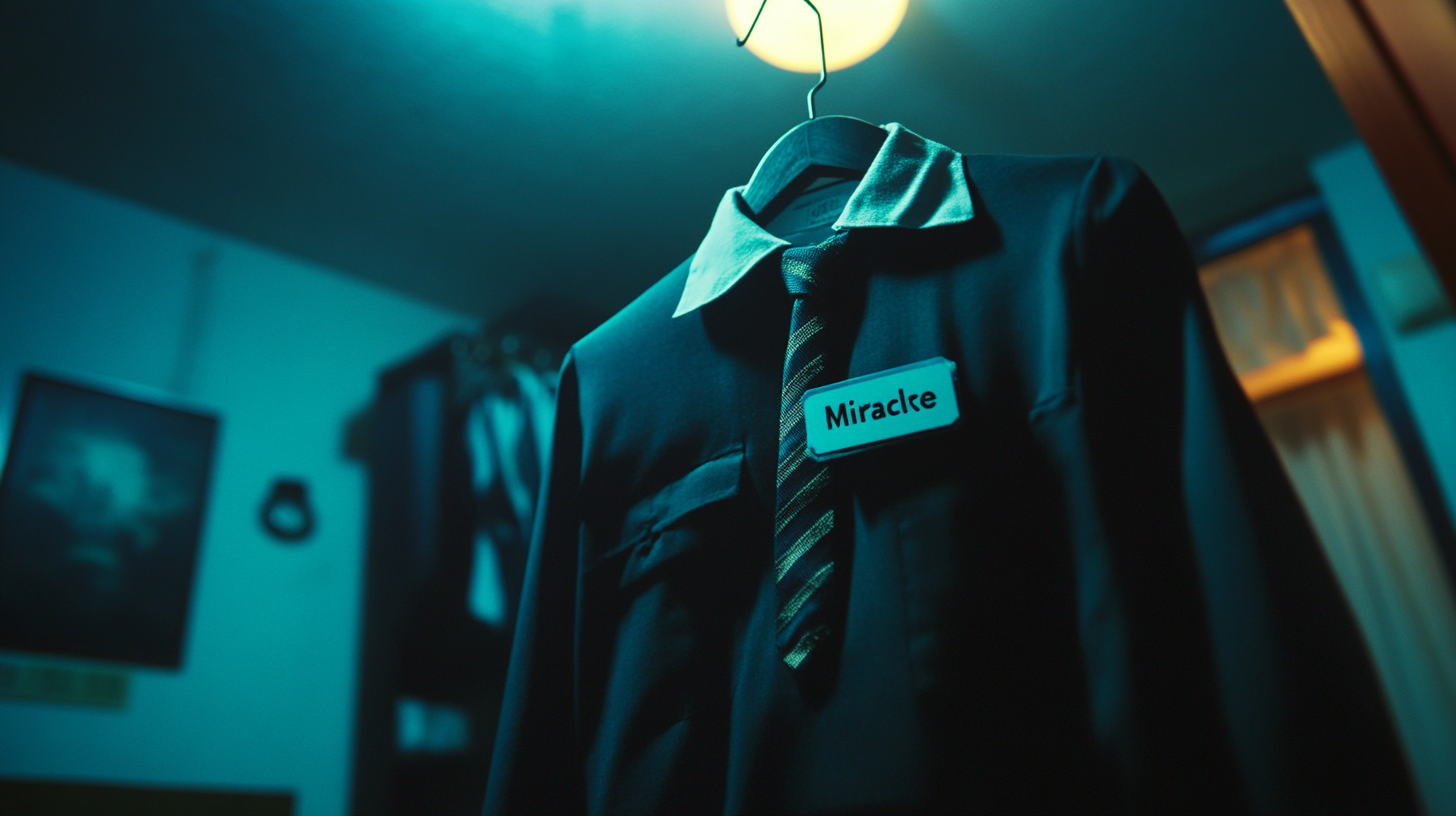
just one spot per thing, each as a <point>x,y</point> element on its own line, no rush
<point>659,532</point>
<point>658,638</point>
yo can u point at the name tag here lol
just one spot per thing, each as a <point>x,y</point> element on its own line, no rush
<point>850,416</point>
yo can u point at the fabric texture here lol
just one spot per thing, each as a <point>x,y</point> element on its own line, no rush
<point>1096,593</point>
<point>803,560</point>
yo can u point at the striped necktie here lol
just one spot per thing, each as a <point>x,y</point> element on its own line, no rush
<point>803,557</point>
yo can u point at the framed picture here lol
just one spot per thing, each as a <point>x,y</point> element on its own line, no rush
<point>101,505</point>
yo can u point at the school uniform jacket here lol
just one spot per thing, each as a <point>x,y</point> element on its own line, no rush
<point>1096,592</point>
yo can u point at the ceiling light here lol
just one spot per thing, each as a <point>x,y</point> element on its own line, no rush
<point>787,35</point>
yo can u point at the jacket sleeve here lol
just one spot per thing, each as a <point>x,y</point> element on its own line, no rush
<point>536,766</point>
<point>1242,679</point>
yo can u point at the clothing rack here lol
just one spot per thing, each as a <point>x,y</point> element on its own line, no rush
<point>482,362</point>
<point>433,656</point>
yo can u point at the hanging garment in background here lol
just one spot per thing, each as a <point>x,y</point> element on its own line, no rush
<point>1095,592</point>
<point>507,435</point>
<point>457,446</point>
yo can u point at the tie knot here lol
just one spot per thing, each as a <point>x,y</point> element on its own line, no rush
<point>803,267</point>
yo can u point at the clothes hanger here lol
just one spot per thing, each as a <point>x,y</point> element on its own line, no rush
<point>821,147</point>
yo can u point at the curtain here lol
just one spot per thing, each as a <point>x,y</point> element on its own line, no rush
<point>1278,319</point>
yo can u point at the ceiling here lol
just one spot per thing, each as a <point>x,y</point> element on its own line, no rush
<point>477,152</point>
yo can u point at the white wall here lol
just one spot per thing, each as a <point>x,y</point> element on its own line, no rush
<point>1373,233</point>
<point>94,287</point>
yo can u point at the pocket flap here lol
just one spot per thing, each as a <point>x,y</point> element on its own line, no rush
<point>651,530</point>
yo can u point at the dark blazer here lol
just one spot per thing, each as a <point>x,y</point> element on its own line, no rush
<point>1096,593</point>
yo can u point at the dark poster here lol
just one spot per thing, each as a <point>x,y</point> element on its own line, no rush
<point>101,504</point>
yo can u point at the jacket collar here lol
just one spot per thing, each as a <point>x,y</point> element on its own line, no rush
<point>913,183</point>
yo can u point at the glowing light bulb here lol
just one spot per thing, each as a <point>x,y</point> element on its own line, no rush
<point>787,35</point>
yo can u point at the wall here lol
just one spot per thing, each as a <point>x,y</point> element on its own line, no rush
<point>1374,234</point>
<point>284,352</point>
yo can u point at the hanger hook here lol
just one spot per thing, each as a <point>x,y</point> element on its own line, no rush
<point>823,60</point>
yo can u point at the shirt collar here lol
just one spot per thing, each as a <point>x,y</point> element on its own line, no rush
<point>913,183</point>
